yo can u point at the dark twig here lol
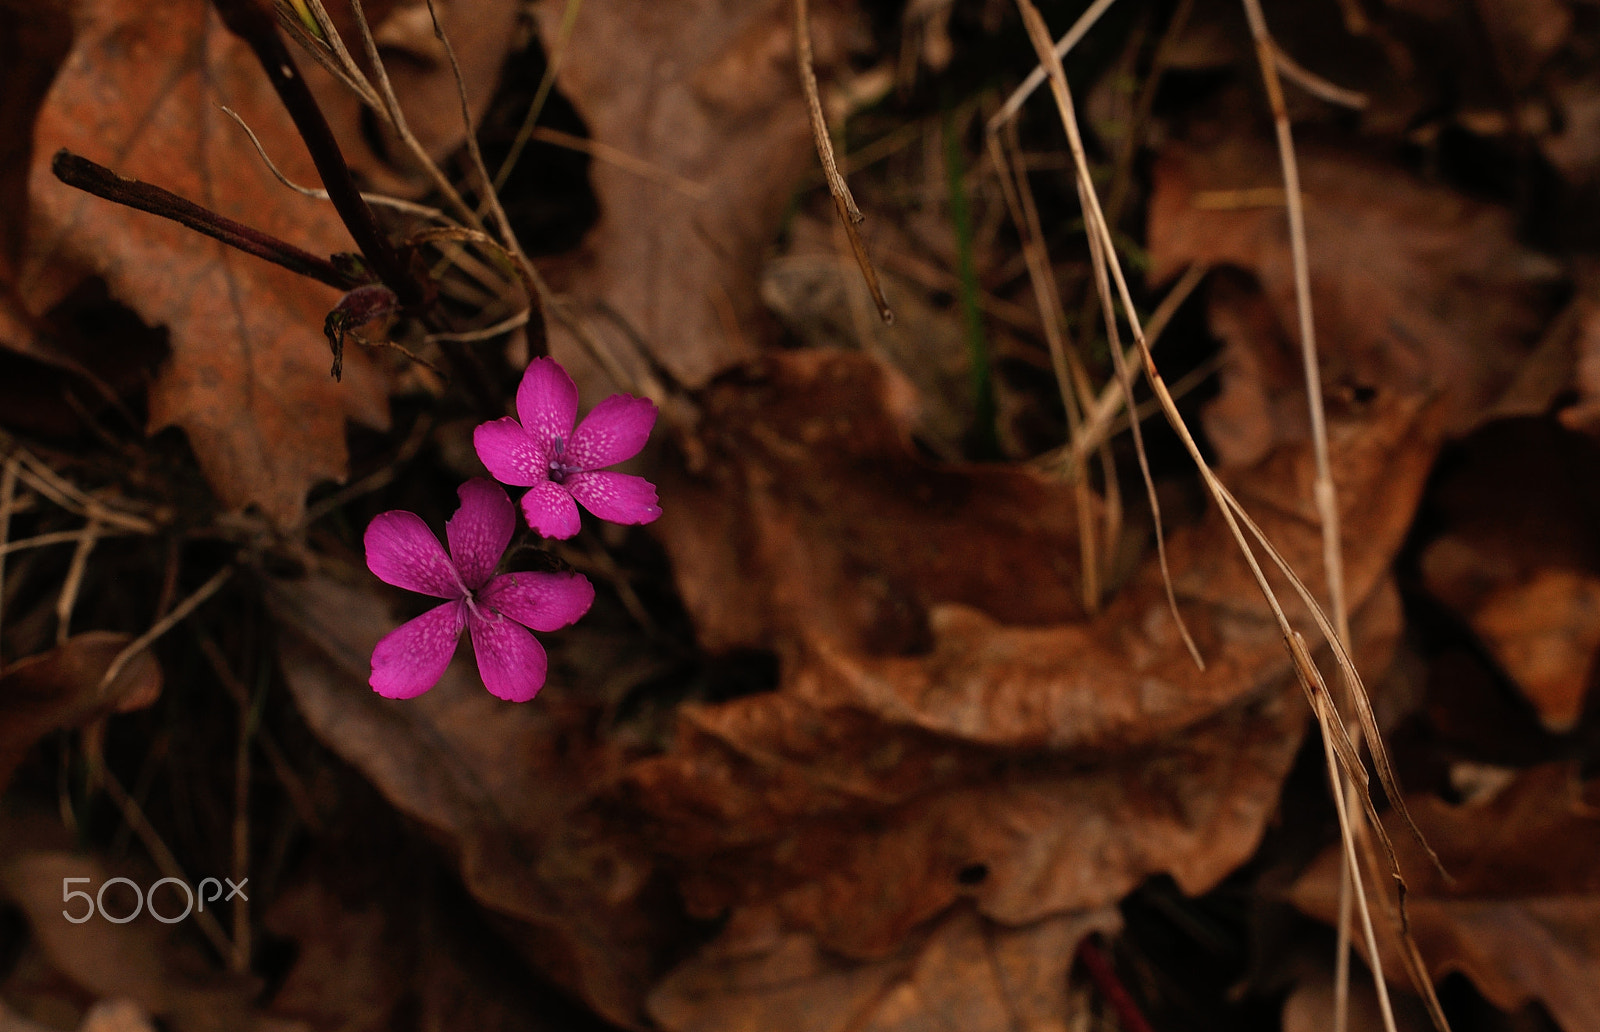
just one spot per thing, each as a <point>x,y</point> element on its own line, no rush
<point>89,177</point>
<point>256,25</point>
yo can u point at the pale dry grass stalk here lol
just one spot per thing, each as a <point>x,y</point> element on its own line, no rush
<point>623,160</point>
<point>8,504</point>
<point>1271,58</point>
<point>73,582</point>
<point>166,623</point>
<point>1341,749</point>
<point>1044,288</point>
<point>377,200</point>
<point>547,82</point>
<point>1100,250</point>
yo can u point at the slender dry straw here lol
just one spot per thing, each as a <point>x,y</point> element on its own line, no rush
<point>1098,250</point>
<point>327,47</point>
<point>1036,78</point>
<point>643,382</point>
<point>72,584</point>
<point>397,120</point>
<point>1102,414</point>
<point>375,199</point>
<point>1341,746</point>
<point>623,160</point>
<point>1270,58</point>
<point>1049,301</point>
<point>547,82</point>
<point>165,624</point>
<point>849,214</point>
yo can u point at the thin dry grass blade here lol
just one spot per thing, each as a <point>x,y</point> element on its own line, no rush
<point>849,214</point>
<point>1335,736</point>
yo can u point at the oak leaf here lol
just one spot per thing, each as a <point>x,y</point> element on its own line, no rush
<point>141,92</point>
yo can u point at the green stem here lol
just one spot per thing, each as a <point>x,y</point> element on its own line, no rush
<point>986,444</point>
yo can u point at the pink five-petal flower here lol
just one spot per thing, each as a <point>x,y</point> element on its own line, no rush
<point>498,611</point>
<point>563,467</point>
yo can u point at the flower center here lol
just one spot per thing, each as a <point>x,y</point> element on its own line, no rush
<point>560,469</point>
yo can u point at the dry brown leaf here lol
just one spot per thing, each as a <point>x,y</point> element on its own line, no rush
<point>1516,559</point>
<point>1522,916</point>
<point>505,787</point>
<point>10,1021</point>
<point>858,828</point>
<point>1545,632</point>
<point>1012,751</point>
<point>1016,752</point>
<point>248,376</point>
<point>816,516</point>
<point>1417,289</point>
<point>1586,353</point>
<point>705,90</point>
<point>962,972</point>
<point>61,689</point>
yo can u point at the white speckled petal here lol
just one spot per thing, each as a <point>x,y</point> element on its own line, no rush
<point>411,658</point>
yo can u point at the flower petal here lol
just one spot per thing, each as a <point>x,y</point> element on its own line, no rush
<point>510,659</point>
<point>618,497</point>
<point>613,430</point>
<point>512,456</point>
<point>547,401</point>
<point>402,551</point>
<point>549,510</point>
<point>480,530</point>
<point>411,658</point>
<point>543,601</point>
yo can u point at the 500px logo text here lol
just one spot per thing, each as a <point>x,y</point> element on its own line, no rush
<point>96,904</point>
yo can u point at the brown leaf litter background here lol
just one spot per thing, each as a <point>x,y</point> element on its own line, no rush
<point>843,746</point>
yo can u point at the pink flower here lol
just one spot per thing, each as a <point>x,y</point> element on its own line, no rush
<point>562,465</point>
<point>402,551</point>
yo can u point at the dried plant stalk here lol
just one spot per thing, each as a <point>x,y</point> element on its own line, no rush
<point>849,214</point>
<point>1342,752</point>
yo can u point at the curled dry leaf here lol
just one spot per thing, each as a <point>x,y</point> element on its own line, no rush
<point>248,375</point>
<point>1521,917</point>
<point>703,91</point>
<point>948,723</point>
<point>1424,303</point>
<point>997,746</point>
<point>1417,289</point>
<point>61,689</point>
